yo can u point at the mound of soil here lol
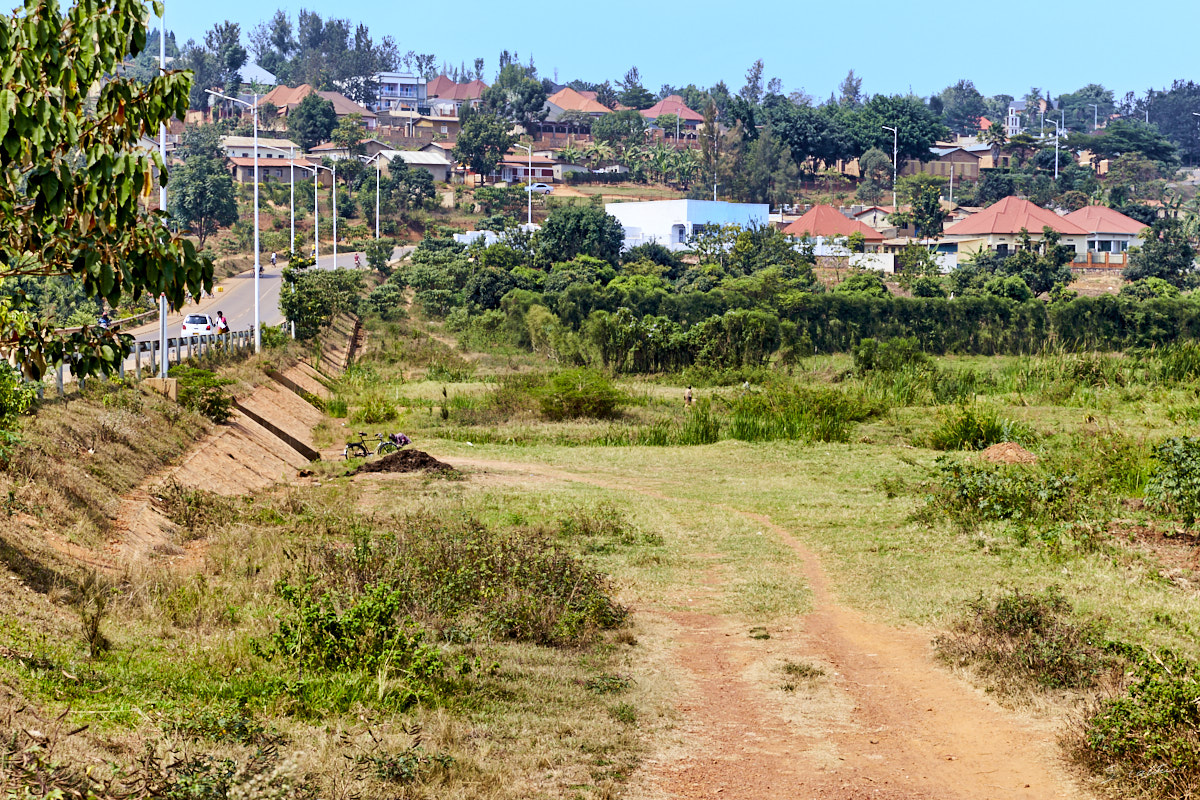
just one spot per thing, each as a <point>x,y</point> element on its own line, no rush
<point>406,461</point>
<point>1009,453</point>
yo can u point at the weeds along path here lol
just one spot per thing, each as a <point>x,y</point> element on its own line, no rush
<point>883,721</point>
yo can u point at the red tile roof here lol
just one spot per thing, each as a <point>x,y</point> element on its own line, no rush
<point>828,221</point>
<point>672,104</point>
<point>570,100</point>
<point>442,88</point>
<point>1102,219</point>
<point>286,97</point>
<point>1009,216</point>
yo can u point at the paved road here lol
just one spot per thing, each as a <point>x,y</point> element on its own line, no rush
<point>235,297</point>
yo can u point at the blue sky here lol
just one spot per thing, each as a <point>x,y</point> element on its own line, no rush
<point>1004,48</point>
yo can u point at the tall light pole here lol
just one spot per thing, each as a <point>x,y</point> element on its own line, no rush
<point>378,159</point>
<point>528,180</point>
<point>257,267</point>
<point>895,156</point>
<point>1095,116</point>
<point>291,151</point>
<point>162,195</point>
<point>1057,128</point>
<point>332,171</point>
<point>316,215</point>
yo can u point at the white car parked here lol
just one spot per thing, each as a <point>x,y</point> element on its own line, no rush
<point>539,188</point>
<point>198,325</point>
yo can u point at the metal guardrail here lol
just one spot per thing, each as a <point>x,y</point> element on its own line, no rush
<point>183,348</point>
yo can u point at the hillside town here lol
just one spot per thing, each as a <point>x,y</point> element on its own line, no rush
<point>403,425</point>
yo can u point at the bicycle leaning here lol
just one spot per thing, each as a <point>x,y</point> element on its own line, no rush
<point>386,444</point>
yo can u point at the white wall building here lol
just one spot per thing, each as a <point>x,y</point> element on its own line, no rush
<point>671,222</point>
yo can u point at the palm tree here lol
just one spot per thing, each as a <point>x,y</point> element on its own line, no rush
<point>598,152</point>
<point>685,165</point>
<point>570,154</point>
<point>660,157</point>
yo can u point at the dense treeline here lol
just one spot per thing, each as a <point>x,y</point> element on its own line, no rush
<point>568,293</point>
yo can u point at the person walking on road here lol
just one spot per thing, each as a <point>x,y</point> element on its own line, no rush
<point>222,323</point>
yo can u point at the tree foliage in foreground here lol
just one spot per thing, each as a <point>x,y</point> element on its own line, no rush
<point>74,190</point>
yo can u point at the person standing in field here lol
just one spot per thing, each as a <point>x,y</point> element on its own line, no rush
<point>687,397</point>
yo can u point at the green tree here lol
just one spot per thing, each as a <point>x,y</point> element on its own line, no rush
<point>875,171</point>
<point>620,129</point>
<point>572,231</point>
<point>962,106</point>
<point>1165,253</point>
<point>923,193</point>
<point>918,127</point>
<point>631,93</point>
<point>1040,266</point>
<point>378,252</point>
<point>482,142</point>
<point>517,96</point>
<point>348,133</point>
<point>74,188</point>
<point>1077,107</point>
<point>202,198</point>
<point>312,121</point>
<point>311,298</point>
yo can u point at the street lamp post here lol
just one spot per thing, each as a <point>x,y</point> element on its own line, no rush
<point>895,156</point>
<point>257,267</point>
<point>1057,128</point>
<point>291,151</point>
<point>332,171</point>
<point>316,211</point>
<point>162,195</point>
<point>528,180</point>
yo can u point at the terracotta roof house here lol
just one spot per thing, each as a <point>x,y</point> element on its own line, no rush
<point>827,225</point>
<point>998,226</point>
<point>673,104</point>
<point>1109,232</point>
<point>443,88</point>
<point>570,100</point>
<point>275,170</point>
<point>285,98</point>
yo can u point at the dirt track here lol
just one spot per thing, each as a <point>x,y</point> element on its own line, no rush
<point>885,721</point>
<point>881,720</point>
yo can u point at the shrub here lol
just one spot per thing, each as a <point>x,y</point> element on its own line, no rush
<point>582,392</point>
<point>201,391</point>
<point>457,573</point>
<point>971,492</point>
<point>1146,740</point>
<point>1020,641</point>
<point>1174,484</point>
<point>889,355</point>
<point>969,427</point>
<point>366,631</point>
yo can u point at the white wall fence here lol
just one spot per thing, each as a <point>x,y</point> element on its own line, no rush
<point>886,262</point>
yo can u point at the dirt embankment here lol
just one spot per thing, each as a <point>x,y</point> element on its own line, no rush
<point>236,458</point>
